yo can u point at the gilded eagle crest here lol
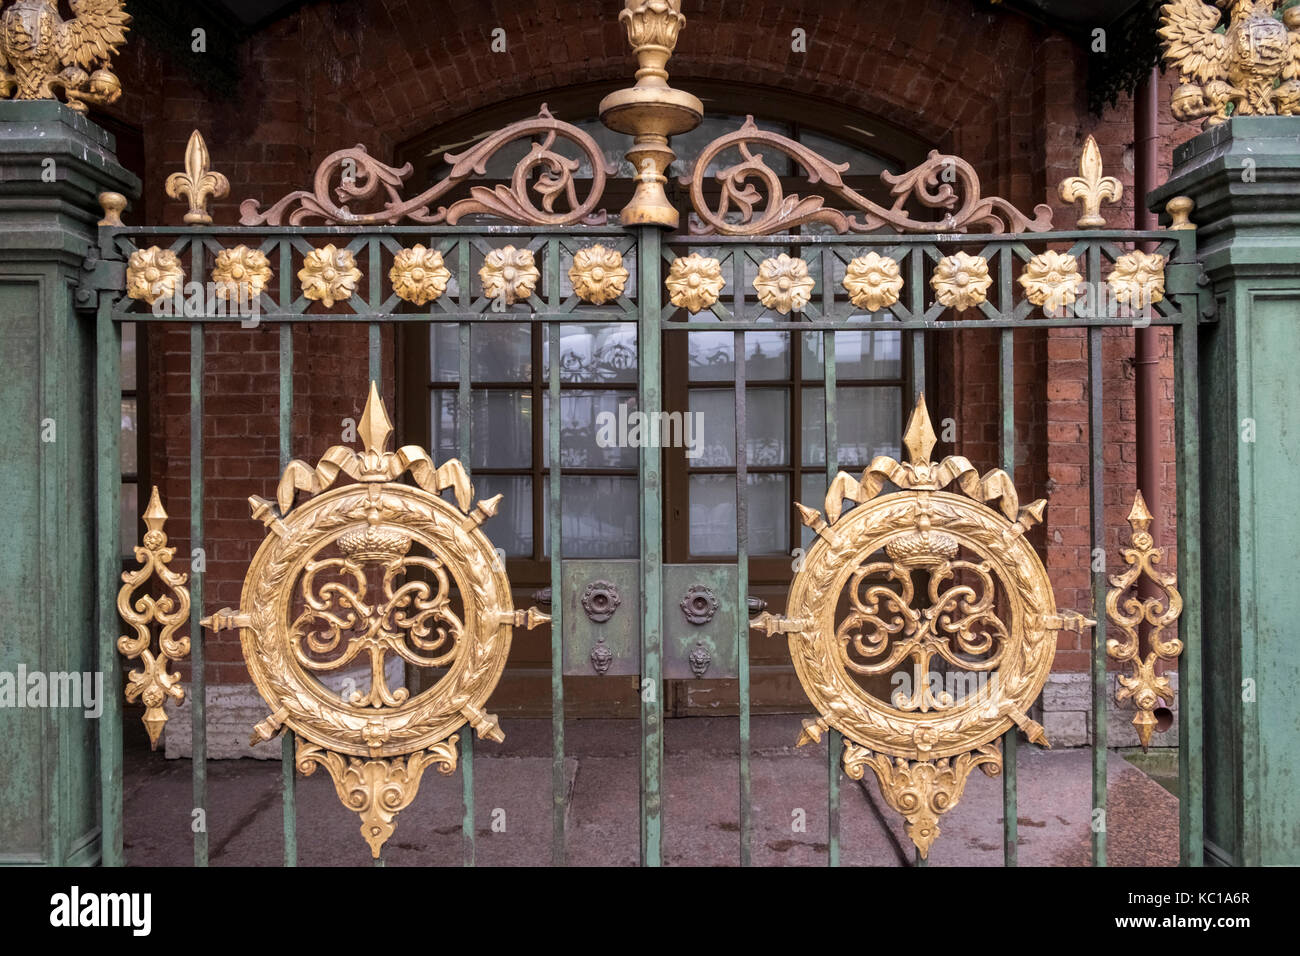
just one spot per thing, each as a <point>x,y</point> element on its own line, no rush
<point>41,53</point>
<point>1250,67</point>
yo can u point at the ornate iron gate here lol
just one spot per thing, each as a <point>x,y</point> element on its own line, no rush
<point>312,257</point>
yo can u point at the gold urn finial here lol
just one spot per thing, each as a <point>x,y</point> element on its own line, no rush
<point>651,111</point>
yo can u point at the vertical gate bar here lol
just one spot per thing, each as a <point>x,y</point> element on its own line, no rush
<point>198,664</point>
<point>464,411</point>
<point>376,354</point>
<point>559,784</point>
<point>199,692</point>
<point>288,756</point>
<point>559,788</point>
<point>651,690</point>
<point>108,479</point>
<point>1010,740</point>
<point>1097,510</point>
<point>834,742</point>
<point>742,583</point>
<point>1191,785</point>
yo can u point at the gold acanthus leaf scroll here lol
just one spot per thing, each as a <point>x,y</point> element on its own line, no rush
<point>41,53</point>
<point>919,473</point>
<point>1249,68</point>
<point>1143,684</point>
<point>154,684</point>
<point>374,463</point>
<point>361,177</point>
<point>922,791</point>
<point>931,184</point>
<point>377,789</point>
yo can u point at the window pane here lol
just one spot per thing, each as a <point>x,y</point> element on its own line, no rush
<point>498,353</point>
<point>511,529</point>
<point>500,428</point>
<point>858,355</point>
<point>868,423</point>
<point>713,514</point>
<point>594,353</point>
<point>713,356</point>
<point>130,443</point>
<point>593,431</point>
<point>598,515</point>
<point>767,426</point>
<point>861,163</point>
<point>128,357</point>
<point>130,531</point>
<point>812,493</point>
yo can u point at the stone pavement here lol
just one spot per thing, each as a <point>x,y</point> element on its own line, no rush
<point>513,780</point>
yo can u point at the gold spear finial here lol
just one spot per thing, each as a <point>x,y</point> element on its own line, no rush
<point>919,439</point>
<point>375,427</point>
<point>1140,518</point>
<point>154,516</point>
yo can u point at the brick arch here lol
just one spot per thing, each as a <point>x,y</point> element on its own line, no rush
<point>393,82</point>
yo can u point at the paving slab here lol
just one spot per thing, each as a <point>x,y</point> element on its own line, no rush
<point>701,807</point>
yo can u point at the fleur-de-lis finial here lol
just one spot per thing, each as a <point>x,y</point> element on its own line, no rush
<point>919,439</point>
<point>198,183</point>
<point>1090,188</point>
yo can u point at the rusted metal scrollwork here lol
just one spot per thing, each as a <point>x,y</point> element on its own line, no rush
<point>354,175</point>
<point>364,572</point>
<point>931,184</point>
<point>957,615</point>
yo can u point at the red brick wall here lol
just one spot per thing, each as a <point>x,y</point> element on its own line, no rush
<point>1002,92</point>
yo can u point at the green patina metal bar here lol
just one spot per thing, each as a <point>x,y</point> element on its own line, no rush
<point>1191,770</point>
<point>651,526</point>
<point>559,787</point>
<point>464,415</point>
<point>108,428</point>
<point>834,740</point>
<point>559,784</point>
<point>742,576</point>
<point>198,688</point>
<point>1097,512</point>
<point>198,681</point>
<point>288,756</point>
<point>1010,740</point>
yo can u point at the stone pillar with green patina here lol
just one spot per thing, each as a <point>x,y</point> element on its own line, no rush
<point>54,163</point>
<point>1244,177</point>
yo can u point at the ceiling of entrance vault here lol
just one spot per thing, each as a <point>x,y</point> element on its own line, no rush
<point>1069,15</point>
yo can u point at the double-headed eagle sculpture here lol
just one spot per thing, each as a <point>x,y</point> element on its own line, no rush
<point>41,53</point>
<point>1251,68</point>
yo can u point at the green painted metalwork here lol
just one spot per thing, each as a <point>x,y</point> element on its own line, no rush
<point>288,754</point>
<point>1097,511</point>
<point>716,636</point>
<point>650,402</point>
<point>834,740</point>
<point>198,659</point>
<point>559,782</point>
<point>464,416</point>
<point>1007,433</point>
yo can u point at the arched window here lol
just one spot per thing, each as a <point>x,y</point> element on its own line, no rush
<point>786,410</point>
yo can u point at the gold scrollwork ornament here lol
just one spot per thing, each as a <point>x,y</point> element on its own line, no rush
<point>365,572</point>
<point>990,617</point>
<point>154,684</point>
<point>1143,684</point>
